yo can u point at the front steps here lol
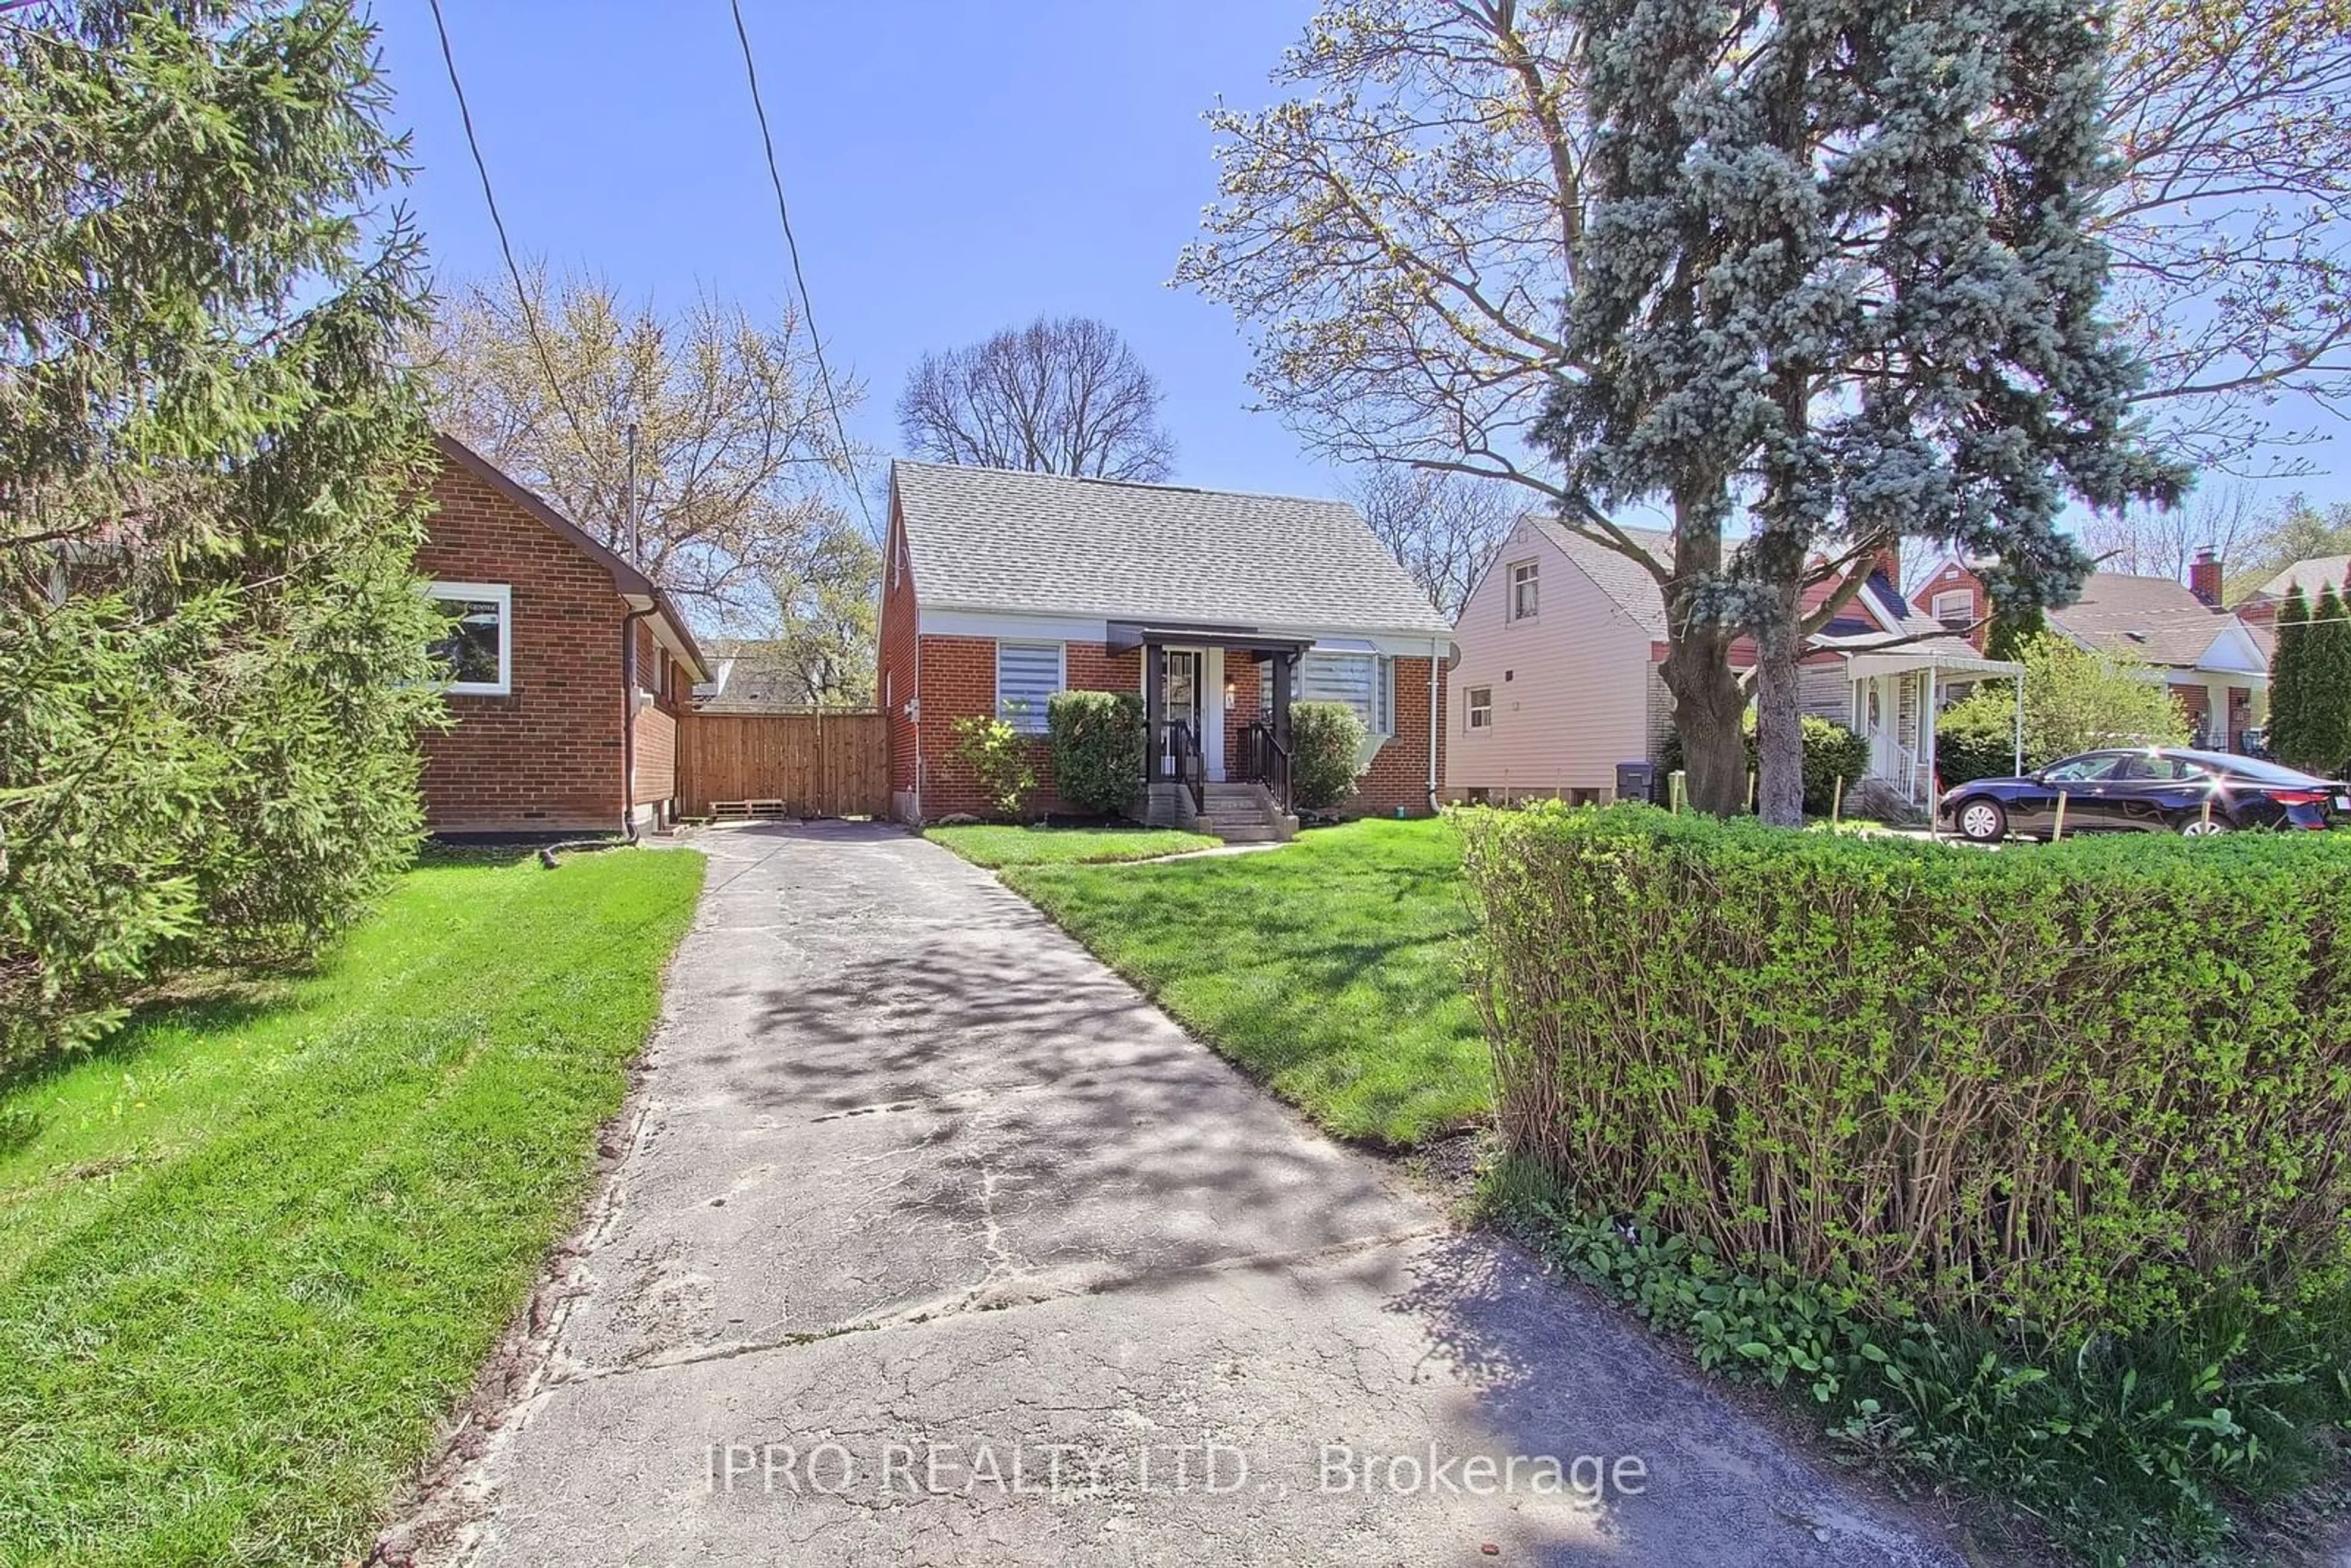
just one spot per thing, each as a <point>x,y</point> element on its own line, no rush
<point>1237,814</point>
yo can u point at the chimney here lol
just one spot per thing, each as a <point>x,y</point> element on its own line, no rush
<point>1889,561</point>
<point>2204,578</point>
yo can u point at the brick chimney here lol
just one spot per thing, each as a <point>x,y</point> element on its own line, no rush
<point>1889,561</point>
<point>2204,578</point>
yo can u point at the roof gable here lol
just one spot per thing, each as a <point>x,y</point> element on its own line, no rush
<point>2316,572</point>
<point>2155,620</point>
<point>627,579</point>
<point>994,540</point>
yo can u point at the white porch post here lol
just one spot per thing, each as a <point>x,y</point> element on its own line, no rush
<point>1927,738</point>
<point>2020,723</point>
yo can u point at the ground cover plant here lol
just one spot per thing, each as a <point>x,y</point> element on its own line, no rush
<point>255,1245</point>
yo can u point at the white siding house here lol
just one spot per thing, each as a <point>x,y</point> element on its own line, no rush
<point>1552,691</point>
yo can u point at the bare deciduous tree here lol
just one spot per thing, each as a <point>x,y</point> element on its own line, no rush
<point>2227,220</point>
<point>738,465</point>
<point>1443,527</point>
<point>2153,541</point>
<point>1064,395</point>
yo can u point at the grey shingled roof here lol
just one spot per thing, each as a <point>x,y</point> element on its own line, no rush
<point>1625,581</point>
<point>2152,618</point>
<point>1042,543</point>
<point>2318,571</point>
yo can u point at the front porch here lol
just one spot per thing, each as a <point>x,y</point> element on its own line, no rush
<point>1216,701</point>
<point>1890,698</point>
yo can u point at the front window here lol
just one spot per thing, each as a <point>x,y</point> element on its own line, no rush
<point>1364,682</point>
<point>1526,586</point>
<point>1480,700</point>
<point>1956,608</point>
<point>475,644</point>
<point>1027,676</point>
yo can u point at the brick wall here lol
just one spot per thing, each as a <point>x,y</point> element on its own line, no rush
<point>547,756</point>
<point>1398,776</point>
<point>959,680</point>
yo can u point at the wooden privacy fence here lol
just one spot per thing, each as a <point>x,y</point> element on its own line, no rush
<point>829,764</point>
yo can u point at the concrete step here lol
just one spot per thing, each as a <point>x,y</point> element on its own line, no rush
<point>1252,833</point>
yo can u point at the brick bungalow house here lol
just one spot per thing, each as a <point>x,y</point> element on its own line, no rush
<point>568,667</point>
<point>2215,663</point>
<point>1001,588</point>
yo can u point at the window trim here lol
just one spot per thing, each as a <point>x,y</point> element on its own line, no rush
<point>1966,616</point>
<point>1061,681</point>
<point>1527,573</point>
<point>503,595</point>
<point>1472,708</point>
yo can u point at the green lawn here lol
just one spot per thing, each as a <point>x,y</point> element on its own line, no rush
<point>1332,967</point>
<point>1065,846</point>
<point>252,1251</point>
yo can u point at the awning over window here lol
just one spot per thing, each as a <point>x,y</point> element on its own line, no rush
<point>1125,635</point>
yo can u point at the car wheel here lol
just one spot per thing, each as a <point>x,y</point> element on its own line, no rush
<point>1982,822</point>
<point>2200,826</point>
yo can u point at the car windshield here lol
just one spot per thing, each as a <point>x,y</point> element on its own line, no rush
<point>2245,768</point>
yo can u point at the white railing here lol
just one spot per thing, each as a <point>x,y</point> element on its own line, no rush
<point>1906,774</point>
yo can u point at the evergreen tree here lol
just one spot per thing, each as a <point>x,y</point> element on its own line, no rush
<point>211,658</point>
<point>1837,277</point>
<point>2290,680</point>
<point>2327,689</point>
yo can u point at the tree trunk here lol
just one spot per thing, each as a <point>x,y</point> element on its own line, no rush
<point>1778,674</point>
<point>1709,706</point>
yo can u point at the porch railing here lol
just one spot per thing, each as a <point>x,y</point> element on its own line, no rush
<point>1191,770</point>
<point>1265,760</point>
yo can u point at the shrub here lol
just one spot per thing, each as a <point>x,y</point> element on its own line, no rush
<point>1976,738</point>
<point>999,754</point>
<point>1098,744</point>
<point>1831,752</point>
<point>1325,741</point>
<point>2100,1088</point>
<point>2074,700</point>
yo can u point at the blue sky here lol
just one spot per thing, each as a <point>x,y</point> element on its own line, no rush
<point>953,168</point>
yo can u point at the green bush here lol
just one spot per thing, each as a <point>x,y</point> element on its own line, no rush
<point>998,756</point>
<point>2097,1089</point>
<point>1831,752</point>
<point>1976,738</point>
<point>1325,740</point>
<point>1098,744</point>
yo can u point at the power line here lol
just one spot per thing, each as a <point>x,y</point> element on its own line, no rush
<point>522,294</point>
<point>808,310</point>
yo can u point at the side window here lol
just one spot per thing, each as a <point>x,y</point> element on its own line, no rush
<point>2084,769</point>
<point>476,644</point>
<point>1479,702</point>
<point>1526,590</point>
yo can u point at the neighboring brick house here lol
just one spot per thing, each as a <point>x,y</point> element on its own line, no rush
<point>1000,588</point>
<point>1563,642</point>
<point>2216,661</point>
<point>568,668</point>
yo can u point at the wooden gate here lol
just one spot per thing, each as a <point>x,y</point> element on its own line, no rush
<point>828,764</point>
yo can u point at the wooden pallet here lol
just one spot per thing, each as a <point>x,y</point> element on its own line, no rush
<point>744,810</point>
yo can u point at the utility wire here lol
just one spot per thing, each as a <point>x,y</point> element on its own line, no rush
<point>522,294</point>
<point>808,310</point>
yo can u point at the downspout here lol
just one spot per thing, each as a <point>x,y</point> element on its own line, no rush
<point>915,709</point>
<point>629,721</point>
<point>1432,727</point>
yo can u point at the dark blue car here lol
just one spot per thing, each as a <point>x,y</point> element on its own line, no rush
<point>2146,789</point>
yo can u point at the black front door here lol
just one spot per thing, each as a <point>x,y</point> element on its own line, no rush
<point>1179,700</point>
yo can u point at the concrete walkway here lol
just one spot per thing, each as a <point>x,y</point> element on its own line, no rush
<point>933,1243</point>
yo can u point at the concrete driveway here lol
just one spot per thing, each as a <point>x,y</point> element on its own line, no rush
<point>932,1242</point>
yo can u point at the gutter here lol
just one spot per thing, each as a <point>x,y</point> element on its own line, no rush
<point>1432,727</point>
<point>629,719</point>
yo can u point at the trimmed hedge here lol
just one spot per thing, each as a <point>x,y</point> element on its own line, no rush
<point>1098,743</point>
<point>2100,1086</point>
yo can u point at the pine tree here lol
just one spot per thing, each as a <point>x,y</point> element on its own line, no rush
<point>1837,280</point>
<point>212,651</point>
<point>2290,680</point>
